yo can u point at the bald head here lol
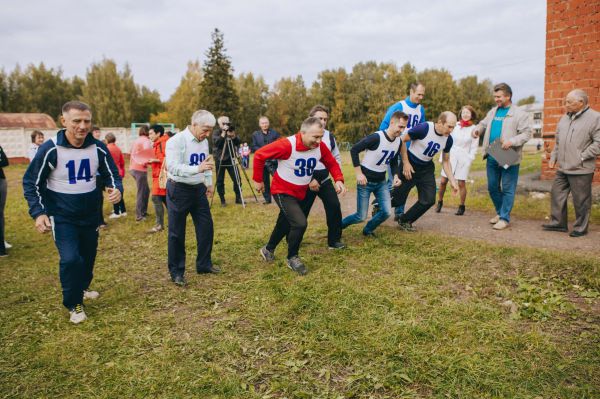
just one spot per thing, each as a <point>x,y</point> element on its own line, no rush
<point>576,100</point>
<point>445,123</point>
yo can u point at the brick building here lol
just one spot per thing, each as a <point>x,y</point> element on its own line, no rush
<point>572,61</point>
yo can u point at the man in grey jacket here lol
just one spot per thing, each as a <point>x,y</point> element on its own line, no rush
<point>509,124</point>
<point>575,151</point>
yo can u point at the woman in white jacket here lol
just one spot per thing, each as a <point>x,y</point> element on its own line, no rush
<point>462,154</point>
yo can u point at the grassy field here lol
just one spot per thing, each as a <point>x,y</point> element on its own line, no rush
<point>400,316</point>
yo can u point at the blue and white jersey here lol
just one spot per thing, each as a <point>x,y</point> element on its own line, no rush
<point>61,180</point>
<point>415,112</point>
<point>426,143</point>
<point>73,171</point>
<point>378,160</point>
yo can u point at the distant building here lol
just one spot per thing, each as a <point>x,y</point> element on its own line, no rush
<point>34,121</point>
<point>536,116</point>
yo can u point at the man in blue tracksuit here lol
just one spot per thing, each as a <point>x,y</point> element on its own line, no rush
<point>412,107</point>
<point>60,188</point>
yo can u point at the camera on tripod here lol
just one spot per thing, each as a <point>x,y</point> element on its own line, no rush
<point>228,127</point>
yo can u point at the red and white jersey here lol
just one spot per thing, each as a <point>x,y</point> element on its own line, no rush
<point>300,166</point>
<point>296,165</point>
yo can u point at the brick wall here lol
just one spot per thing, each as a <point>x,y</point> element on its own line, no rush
<point>572,61</point>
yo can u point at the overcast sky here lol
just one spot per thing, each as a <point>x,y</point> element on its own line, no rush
<point>499,40</point>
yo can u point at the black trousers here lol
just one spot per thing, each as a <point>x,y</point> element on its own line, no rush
<point>221,168</point>
<point>268,171</point>
<point>424,180</point>
<point>184,199</point>
<point>333,211</point>
<point>291,223</point>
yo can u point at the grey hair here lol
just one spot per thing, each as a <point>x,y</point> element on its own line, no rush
<point>580,95</point>
<point>203,118</point>
<point>309,122</point>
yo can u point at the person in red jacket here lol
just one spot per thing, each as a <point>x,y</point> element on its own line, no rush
<point>111,142</point>
<point>298,156</point>
<point>159,195</point>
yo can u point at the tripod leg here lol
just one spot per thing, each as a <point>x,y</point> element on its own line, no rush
<point>236,172</point>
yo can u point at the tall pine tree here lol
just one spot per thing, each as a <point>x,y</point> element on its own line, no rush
<point>217,90</point>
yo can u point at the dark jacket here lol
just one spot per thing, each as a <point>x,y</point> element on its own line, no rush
<point>76,208</point>
<point>219,145</point>
<point>3,163</point>
<point>259,139</point>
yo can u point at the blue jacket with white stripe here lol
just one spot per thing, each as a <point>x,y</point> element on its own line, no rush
<point>74,197</point>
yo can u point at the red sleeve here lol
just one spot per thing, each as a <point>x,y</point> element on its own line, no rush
<point>330,163</point>
<point>280,149</point>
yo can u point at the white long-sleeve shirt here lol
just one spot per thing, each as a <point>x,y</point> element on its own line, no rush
<point>464,146</point>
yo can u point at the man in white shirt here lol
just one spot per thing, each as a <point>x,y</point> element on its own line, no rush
<point>189,169</point>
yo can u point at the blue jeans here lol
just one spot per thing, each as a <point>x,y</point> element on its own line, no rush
<point>502,185</point>
<point>382,195</point>
<point>77,252</point>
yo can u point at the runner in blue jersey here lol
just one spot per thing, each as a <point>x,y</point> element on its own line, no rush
<point>60,188</point>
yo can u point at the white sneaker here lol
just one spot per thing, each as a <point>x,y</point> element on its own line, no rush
<point>501,225</point>
<point>495,219</point>
<point>7,245</point>
<point>123,214</point>
<point>114,216</point>
<point>90,294</point>
<point>77,314</point>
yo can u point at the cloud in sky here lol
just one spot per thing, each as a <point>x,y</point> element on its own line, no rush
<point>503,41</point>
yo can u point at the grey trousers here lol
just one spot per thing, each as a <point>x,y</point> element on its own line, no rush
<point>143,193</point>
<point>158,201</point>
<point>3,193</point>
<point>580,186</point>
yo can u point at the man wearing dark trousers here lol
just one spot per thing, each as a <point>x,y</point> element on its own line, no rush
<point>189,171</point>
<point>322,186</point>
<point>60,188</point>
<point>427,139</point>
<point>261,138</point>
<point>221,136</point>
<point>575,151</point>
<point>298,156</point>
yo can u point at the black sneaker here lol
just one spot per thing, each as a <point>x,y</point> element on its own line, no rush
<point>337,245</point>
<point>267,255</point>
<point>369,234</point>
<point>179,280</point>
<point>296,265</point>
<point>406,226</point>
<point>238,200</point>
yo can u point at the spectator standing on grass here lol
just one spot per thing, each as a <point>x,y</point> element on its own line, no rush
<point>418,170</point>
<point>60,188</point>
<point>138,169</point>
<point>3,194</point>
<point>159,195</point>
<point>509,124</point>
<point>381,149</point>
<point>298,156</point>
<point>462,154</point>
<point>37,139</point>
<point>225,139</point>
<point>575,151</point>
<point>189,168</point>
<point>245,153</point>
<point>117,156</point>
<point>261,138</point>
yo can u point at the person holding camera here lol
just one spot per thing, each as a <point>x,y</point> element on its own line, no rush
<point>224,137</point>
<point>261,138</point>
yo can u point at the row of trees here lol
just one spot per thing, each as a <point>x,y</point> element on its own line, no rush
<point>357,99</point>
